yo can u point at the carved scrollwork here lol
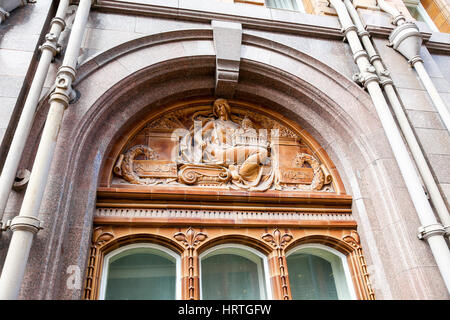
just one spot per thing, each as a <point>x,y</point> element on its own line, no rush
<point>319,177</point>
<point>127,167</point>
<point>100,237</point>
<point>204,174</point>
<point>352,239</point>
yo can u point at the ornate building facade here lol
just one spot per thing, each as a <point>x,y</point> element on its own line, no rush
<point>187,149</point>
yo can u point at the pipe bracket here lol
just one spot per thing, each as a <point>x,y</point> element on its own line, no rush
<point>63,82</point>
<point>363,33</point>
<point>21,180</point>
<point>25,223</point>
<point>415,59</point>
<point>397,19</point>
<point>375,57</point>
<point>51,44</point>
<point>366,76</point>
<point>60,21</point>
<point>431,230</point>
<point>359,54</point>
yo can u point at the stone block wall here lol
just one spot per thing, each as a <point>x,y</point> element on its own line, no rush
<point>20,36</point>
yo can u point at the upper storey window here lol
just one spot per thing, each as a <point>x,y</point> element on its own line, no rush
<point>141,271</point>
<point>295,5</point>
<point>234,272</point>
<point>317,272</point>
<point>418,12</point>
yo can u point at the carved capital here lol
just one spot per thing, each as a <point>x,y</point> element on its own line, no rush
<point>100,237</point>
<point>352,239</point>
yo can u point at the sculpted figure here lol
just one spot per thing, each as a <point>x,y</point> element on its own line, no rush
<point>226,143</point>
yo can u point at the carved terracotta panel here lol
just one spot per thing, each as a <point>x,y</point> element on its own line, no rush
<point>220,145</point>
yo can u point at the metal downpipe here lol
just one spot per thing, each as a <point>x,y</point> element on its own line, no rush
<point>431,231</point>
<point>416,151</point>
<point>26,224</point>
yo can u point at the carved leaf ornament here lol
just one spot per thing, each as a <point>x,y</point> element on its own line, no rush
<point>277,239</point>
<point>190,239</point>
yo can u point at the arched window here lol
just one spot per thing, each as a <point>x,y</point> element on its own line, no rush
<point>234,272</point>
<point>141,272</point>
<point>317,272</point>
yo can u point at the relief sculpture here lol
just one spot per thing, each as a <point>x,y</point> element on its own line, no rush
<point>221,146</point>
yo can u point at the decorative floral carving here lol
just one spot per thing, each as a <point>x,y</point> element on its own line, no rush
<point>278,241</point>
<point>353,240</point>
<point>190,240</point>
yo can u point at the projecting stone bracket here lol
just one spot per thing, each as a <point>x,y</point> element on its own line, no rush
<point>227,43</point>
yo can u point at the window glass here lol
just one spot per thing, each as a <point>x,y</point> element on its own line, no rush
<point>282,4</point>
<point>419,13</point>
<point>316,274</point>
<point>232,274</point>
<point>415,13</point>
<point>311,278</point>
<point>141,274</point>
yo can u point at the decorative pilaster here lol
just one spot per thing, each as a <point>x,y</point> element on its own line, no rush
<point>353,240</point>
<point>278,241</point>
<point>99,238</point>
<point>190,240</point>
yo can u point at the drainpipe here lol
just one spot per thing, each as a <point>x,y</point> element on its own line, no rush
<point>432,231</point>
<point>406,39</point>
<point>49,49</point>
<point>387,83</point>
<point>26,224</point>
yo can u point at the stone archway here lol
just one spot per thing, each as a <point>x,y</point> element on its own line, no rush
<point>122,84</point>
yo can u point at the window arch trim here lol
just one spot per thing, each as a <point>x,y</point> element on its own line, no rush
<point>265,272</point>
<point>115,252</point>
<point>328,254</point>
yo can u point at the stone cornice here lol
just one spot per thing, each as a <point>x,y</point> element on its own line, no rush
<point>261,18</point>
<point>257,18</point>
